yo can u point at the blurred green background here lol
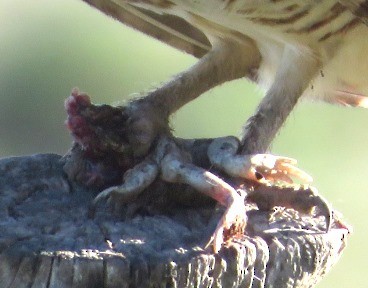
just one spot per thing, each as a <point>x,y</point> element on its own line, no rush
<point>47,47</point>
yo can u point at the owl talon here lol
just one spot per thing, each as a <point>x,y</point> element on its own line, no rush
<point>232,224</point>
<point>262,168</point>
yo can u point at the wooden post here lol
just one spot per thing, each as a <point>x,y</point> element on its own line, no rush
<point>47,239</point>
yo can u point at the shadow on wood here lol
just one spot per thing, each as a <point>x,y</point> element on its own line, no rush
<point>47,239</point>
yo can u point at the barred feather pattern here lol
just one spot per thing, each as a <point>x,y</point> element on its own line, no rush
<point>332,31</point>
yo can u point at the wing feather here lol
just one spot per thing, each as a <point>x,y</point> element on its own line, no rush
<point>169,29</point>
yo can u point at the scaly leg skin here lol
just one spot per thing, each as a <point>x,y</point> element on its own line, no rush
<point>177,168</point>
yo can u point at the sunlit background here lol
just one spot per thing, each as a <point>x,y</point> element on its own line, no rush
<point>47,47</point>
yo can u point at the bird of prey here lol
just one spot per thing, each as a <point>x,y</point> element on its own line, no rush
<point>291,48</point>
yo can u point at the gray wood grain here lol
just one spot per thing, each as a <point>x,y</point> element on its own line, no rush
<point>47,239</point>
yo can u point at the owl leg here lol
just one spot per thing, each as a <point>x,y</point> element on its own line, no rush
<point>294,76</point>
<point>132,130</point>
<point>296,72</point>
<point>251,164</point>
<point>128,132</point>
<point>149,115</point>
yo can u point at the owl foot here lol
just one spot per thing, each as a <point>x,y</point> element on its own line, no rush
<point>104,158</point>
<point>262,168</point>
<point>172,164</point>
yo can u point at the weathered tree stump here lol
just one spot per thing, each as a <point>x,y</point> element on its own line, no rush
<point>49,239</point>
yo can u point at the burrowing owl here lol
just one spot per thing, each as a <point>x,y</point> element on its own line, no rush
<point>293,49</point>
<point>314,48</point>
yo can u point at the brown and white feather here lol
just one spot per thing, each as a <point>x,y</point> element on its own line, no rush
<point>330,30</point>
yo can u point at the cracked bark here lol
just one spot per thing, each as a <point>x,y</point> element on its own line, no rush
<point>48,240</point>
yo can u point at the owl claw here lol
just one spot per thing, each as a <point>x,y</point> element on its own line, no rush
<point>232,224</point>
<point>262,168</point>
